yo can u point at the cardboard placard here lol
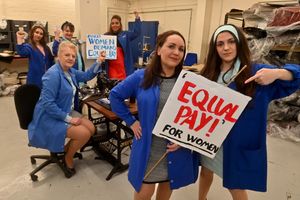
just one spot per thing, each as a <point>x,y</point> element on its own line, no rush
<point>199,113</point>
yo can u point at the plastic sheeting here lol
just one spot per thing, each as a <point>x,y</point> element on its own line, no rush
<point>285,46</point>
<point>273,32</point>
<point>284,118</point>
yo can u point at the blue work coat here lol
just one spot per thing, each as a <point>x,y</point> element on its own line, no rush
<point>182,163</point>
<point>38,62</point>
<point>48,129</point>
<point>124,38</point>
<point>245,151</point>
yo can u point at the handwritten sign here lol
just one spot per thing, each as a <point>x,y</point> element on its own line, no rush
<point>96,43</point>
<point>199,113</point>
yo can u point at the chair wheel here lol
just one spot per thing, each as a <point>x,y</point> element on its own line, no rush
<point>34,178</point>
<point>33,161</point>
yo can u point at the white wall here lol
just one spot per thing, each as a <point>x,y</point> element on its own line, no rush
<point>54,11</point>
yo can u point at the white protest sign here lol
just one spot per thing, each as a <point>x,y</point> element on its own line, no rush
<point>199,113</point>
<point>96,43</point>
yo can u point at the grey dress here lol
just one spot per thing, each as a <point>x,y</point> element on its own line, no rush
<point>159,145</point>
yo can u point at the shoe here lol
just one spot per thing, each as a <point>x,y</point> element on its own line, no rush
<point>69,172</point>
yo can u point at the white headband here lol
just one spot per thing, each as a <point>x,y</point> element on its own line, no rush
<point>228,28</point>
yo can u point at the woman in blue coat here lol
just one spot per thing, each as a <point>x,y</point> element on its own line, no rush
<point>151,88</point>
<point>123,65</point>
<point>54,117</point>
<point>242,160</point>
<point>39,54</point>
<point>67,30</point>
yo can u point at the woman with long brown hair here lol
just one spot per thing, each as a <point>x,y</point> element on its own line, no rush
<point>123,65</point>
<point>242,159</point>
<point>39,54</point>
<point>151,88</point>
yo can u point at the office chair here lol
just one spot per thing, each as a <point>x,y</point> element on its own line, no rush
<point>26,97</point>
<point>190,59</point>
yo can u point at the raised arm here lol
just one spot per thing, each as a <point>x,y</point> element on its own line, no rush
<point>92,71</point>
<point>137,28</point>
<point>22,49</point>
<point>56,41</point>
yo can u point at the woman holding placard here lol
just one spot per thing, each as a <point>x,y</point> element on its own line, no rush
<point>151,88</point>
<point>242,162</point>
<point>123,65</point>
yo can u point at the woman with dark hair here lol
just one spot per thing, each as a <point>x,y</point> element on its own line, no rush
<point>123,65</point>
<point>151,87</point>
<point>39,54</point>
<point>67,29</point>
<point>242,159</point>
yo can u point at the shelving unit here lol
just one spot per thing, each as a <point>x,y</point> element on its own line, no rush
<point>5,35</point>
<point>286,48</point>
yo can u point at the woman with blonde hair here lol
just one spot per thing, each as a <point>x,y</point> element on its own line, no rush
<point>54,117</point>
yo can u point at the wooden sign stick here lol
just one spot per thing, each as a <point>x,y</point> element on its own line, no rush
<point>155,165</point>
<point>233,78</point>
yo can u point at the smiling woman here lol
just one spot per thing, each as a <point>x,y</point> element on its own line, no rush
<point>151,88</point>
<point>67,55</point>
<point>242,159</point>
<point>54,116</point>
<point>39,54</point>
<point>122,66</point>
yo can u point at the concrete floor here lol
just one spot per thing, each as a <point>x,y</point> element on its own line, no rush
<point>89,183</point>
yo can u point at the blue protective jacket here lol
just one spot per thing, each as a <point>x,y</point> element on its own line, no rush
<point>182,164</point>
<point>38,62</point>
<point>48,129</point>
<point>124,38</point>
<point>245,151</point>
